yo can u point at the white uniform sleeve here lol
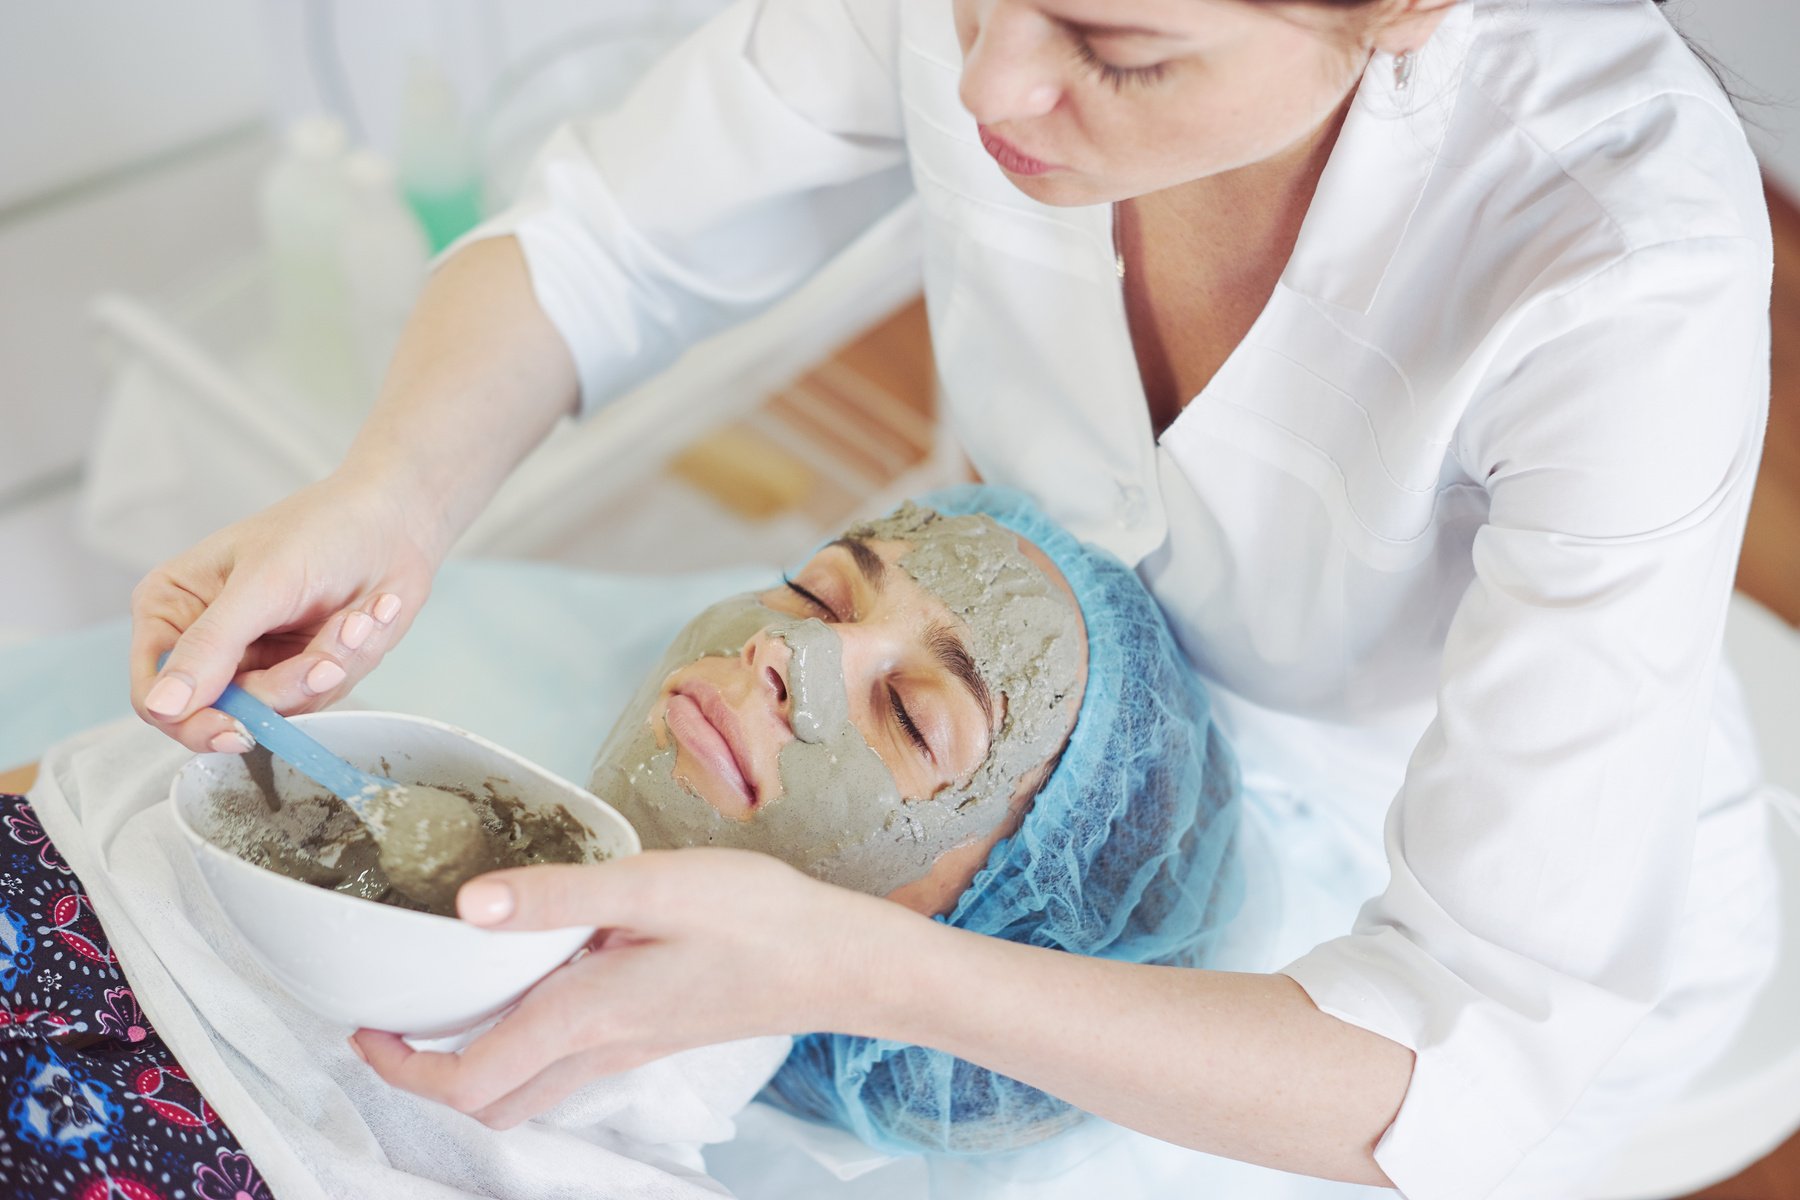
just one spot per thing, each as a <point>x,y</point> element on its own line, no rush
<point>740,165</point>
<point>1541,842</point>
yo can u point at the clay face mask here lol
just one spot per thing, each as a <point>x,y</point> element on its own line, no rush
<point>839,816</point>
<point>1022,630</point>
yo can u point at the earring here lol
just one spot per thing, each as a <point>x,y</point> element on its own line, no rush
<point>1403,70</point>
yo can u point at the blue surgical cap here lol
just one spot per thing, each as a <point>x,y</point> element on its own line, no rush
<point>1125,854</point>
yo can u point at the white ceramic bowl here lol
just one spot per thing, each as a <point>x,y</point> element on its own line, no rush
<point>370,964</point>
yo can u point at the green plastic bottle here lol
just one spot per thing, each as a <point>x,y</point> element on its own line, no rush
<point>438,174</point>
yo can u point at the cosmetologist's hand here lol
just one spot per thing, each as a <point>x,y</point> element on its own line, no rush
<point>299,602</point>
<point>696,947</point>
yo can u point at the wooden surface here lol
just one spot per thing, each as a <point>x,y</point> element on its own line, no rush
<point>1776,1177</point>
<point>868,411</point>
<point>1770,568</point>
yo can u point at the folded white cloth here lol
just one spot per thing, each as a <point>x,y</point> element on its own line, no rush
<point>315,1119</point>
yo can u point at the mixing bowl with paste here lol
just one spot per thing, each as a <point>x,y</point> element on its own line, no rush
<point>333,938</point>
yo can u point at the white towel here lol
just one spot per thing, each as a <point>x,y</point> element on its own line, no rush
<point>314,1118</point>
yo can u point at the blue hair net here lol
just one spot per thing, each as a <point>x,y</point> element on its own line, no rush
<point>1126,854</point>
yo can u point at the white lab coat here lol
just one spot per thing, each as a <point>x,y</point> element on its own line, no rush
<point>1451,533</point>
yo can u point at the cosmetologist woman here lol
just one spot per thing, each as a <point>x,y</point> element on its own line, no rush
<point>1416,354</point>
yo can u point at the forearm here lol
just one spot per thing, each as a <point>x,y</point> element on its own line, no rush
<point>1238,1065</point>
<point>479,378</point>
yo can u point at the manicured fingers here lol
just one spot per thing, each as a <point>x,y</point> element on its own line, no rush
<point>204,729</point>
<point>235,740</point>
<point>527,1063</point>
<point>208,644</point>
<point>568,1012</point>
<point>429,1073</point>
<point>489,1068</point>
<point>204,644</point>
<point>551,1087</point>
<point>559,896</point>
<point>344,650</point>
<point>205,655</point>
<point>208,731</point>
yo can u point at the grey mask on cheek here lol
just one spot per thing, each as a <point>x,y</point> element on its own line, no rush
<point>840,816</point>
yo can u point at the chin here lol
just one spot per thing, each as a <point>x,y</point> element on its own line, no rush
<point>1060,189</point>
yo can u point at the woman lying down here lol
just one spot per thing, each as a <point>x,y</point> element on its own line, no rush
<point>957,707</point>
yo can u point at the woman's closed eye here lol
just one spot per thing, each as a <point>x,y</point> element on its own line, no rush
<point>811,599</point>
<point>1112,75</point>
<point>907,724</point>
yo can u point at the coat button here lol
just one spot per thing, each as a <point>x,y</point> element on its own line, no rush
<point>1133,504</point>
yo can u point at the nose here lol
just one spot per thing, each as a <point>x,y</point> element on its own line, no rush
<point>1010,70</point>
<point>768,658</point>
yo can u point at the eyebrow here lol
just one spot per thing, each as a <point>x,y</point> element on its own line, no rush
<point>955,658</point>
<point>1100,29</point>
<point>871,564</point>
<point>945,644</point>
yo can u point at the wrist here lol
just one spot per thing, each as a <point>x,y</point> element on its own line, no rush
<point>395,497</point>
<point>878,969</point>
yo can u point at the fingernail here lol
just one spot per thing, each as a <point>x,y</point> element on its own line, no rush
<point>357,1050</point>
<point>229,742</point>
<point>356,630</point>
<point>386,607</point>
<point>484,902</point>
<point>170,695</point>
<point>324,676</point>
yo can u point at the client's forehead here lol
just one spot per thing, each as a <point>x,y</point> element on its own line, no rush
<point>874,556</point>
<point>874,559</point>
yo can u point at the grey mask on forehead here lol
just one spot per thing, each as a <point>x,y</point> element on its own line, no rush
<point>1023,632</point>
<point>840,817</point>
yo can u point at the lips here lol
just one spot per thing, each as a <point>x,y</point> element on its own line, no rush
<point>1009,156</point>
<point>704,724</point>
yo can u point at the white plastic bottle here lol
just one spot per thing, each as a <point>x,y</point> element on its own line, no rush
<point>303,204</point>
<point>384,256</point>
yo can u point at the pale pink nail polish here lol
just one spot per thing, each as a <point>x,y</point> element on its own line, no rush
<point>229,742</point>
<point>356,630</point>
<point>386,608</point>
<point>324,676</point>
<point>485,902</point>
<point>169,696</point>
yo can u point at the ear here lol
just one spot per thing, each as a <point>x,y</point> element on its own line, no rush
<point>1409,24</point>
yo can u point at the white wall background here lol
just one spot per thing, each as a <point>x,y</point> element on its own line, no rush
<point>352,58</point>
<point>86,85</point>
<point>133,135</point>
<point>1757,43</point>
<point>100,102</point>
<point>132,138</point>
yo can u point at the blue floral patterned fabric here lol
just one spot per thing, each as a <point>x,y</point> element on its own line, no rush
<point>94,1106</point>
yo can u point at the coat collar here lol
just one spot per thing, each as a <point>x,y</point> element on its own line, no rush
<point>1378,170</point>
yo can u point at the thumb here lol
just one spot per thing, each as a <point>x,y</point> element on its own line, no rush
<point>207,654</point>
<point>559,895</point>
